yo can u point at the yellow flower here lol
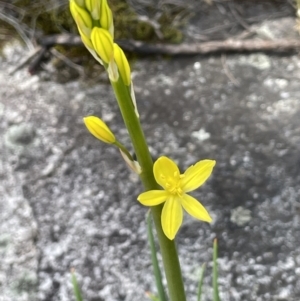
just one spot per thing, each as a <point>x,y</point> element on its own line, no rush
<point>99,129</point>
<point>174,195</point>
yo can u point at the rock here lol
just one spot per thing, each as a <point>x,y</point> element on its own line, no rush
<point>19,136</point>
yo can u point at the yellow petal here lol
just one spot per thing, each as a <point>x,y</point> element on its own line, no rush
<point>152,197</point>
<point>197,174</point>
<point>194,208</point>
<point>99,129</point>
<point>171,217</point>
<point>103,44</point>
<point>166,172</point>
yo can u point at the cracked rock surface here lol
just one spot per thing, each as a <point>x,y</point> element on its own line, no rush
<point>68,200</point>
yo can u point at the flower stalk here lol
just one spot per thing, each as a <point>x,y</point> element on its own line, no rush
<point>167,247</point>
<point>95,25</point>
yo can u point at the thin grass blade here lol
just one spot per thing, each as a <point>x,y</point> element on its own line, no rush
<point>201,279</point>
<point>157,272</point>
<point>215,272</point>
<point>76,288</point>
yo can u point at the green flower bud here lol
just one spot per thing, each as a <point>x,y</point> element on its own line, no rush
<point>99,129</point>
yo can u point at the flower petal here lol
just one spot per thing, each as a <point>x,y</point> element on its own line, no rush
<point>197,174</point>
<point>171,217</point>
<point>165,171</point>
<point>152,197</point>
<point>194,208</point>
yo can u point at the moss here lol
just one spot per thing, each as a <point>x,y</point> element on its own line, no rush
<point>52,17</point>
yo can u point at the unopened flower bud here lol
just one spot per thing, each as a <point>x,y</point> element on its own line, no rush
<point>79,2</point>
<point>106,18</point>
<point>103,44</point>
<point>122,64</point>
<point>93,6</point>
<point>82,19</point>
<point>99,129</point>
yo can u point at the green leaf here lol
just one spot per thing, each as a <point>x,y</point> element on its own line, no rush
<point>76,288</point>
<point>202,271</point>
<point>157,273</point>
<point>215,272</point>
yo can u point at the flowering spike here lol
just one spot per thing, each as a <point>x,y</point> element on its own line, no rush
<point>82,19</point>
<point>99,129</point>
<point>174,195</point>
<point>103,44</point>
<point>122,64</point>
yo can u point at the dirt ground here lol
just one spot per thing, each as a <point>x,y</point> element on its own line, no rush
<point>68,200</point>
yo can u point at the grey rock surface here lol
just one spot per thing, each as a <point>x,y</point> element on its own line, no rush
<point>69,201</point>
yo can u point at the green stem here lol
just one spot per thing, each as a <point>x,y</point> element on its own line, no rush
<point>167,247</point>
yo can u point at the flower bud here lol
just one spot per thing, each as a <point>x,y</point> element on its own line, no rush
<point>79,2</point>
<point>82,19</point>
<point>103,44</point>
<point>106,18</point>
<point>93,6</point>
<point>99,129</point>
<point>122,64</point>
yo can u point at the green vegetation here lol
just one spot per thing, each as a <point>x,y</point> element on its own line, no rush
<point>51,17</point>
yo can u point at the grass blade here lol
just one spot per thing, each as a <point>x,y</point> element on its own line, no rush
<point>215,272</point>
<point>157,273</point>
<point>201,279</point>
<point>76,288</point>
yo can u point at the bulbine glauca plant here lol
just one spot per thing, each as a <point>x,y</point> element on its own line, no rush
<point>166,188</point>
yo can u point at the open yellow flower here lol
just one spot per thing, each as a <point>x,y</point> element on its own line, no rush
<point>175,186</point>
